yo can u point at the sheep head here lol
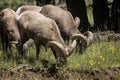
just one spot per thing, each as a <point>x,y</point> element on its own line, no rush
<point>86,38</point>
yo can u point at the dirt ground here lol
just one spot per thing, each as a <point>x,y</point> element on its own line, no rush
<point>25,72</point>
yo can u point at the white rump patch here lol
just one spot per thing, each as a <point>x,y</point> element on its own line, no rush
<point>40,9</point>
<point>18,10</point>
<point>18,17</point>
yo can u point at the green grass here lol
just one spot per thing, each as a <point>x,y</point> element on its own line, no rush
<point>14,4</point>
<point>102,54</point>
<point>99,54</point>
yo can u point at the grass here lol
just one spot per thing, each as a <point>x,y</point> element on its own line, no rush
<point>99,54</point>
<point>102,54</point>
<point>14,4</point>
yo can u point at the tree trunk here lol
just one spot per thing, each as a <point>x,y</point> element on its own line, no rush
<point>44,2</point>
<point>78,8</point>
<point>100,15</point>
<point>115,16</point>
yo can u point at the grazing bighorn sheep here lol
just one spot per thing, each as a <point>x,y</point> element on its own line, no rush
<point>8,26</point>
<point>28,7</point>
<point>67,25</point>
<point>8,29</point>
<point>44,31</point>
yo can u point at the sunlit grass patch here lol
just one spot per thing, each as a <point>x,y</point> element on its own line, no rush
<point>99,54</point>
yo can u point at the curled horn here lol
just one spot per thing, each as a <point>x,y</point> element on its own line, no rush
<point>58,47</point>
<point>72,46</point>
<point>81,37</point>
<point>90,36</point>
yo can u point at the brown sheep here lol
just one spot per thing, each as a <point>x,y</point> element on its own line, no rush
<point>67,25</point>
<point>8,27</point>
<point>43,31</point>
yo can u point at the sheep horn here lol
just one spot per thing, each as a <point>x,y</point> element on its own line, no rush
<point>81,37</point>
<point>58,47</point>
<point>90,36</point>
<point>72,46</point>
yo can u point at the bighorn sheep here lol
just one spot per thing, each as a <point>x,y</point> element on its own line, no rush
<point>8,27</point>
<point>43,31</point>
<point>28,7</point>
<point>67,25</point>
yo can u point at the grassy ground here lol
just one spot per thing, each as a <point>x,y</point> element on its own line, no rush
<point>100,55</point>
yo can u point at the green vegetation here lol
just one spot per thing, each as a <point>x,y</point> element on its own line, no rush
<point>99,54</point>
<point>102,54</point>
<point>14,4</point>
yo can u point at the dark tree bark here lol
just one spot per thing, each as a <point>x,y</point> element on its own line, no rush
<point>78,8</point>
<point>115,16</point>
<point>44,2</point>
<point>101,15</point>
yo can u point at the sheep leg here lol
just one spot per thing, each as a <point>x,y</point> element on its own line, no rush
<point>4,40</point>
<point>37,50</point>
<point>20,47</point>
<point>54,53</point>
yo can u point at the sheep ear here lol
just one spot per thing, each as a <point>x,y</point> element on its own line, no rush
<point>77,21</point>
